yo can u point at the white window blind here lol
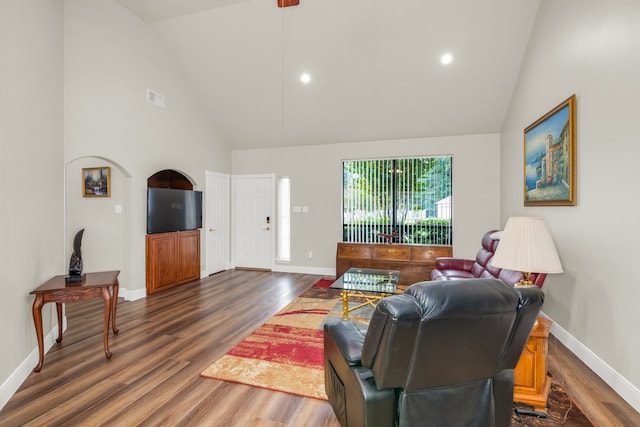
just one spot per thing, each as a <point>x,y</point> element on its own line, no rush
<point>398,200</point>
<point>283,243</point>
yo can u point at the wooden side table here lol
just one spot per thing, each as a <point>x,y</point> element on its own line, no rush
<point>103,284</point>
<point>532,384</point>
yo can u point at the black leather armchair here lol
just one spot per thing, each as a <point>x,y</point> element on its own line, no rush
<point>441,354</point>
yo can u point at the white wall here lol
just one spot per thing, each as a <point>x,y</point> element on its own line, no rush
<point>104,242</point>
<point>590,48</point>
<point>31,174</point>
<point>111,59</point>
<point>316,182</point>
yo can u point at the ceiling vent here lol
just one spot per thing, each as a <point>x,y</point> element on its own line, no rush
<point>155,98</point>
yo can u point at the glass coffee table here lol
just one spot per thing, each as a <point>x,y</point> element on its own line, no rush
<point>366,283</point>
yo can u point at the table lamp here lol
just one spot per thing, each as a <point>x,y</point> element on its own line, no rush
<point>526,246</point>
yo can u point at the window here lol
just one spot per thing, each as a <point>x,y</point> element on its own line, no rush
<point>398,200</point>
<point>283,243</point>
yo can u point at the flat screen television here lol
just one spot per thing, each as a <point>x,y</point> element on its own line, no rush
<point>170,209</point>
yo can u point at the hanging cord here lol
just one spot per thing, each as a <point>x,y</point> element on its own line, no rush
<point>282,74</point>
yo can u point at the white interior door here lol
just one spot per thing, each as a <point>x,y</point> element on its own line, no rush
<point>217,228</point>
<point>253,221</point>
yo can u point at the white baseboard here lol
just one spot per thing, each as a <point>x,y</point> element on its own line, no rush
<point>321,271</point>
<point>617,382</point>
<point>15,380</point>
<point>132,295</point>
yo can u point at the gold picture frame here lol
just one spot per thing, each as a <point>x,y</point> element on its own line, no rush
<point>96,182</point>
<point>550,157</point>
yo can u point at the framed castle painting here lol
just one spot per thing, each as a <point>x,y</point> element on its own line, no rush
<point>550,157</point>
<point>96,182</point>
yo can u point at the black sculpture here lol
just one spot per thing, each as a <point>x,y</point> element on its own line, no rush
<point>75,264</point>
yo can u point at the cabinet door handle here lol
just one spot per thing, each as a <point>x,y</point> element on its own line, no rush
<point>267,228</point>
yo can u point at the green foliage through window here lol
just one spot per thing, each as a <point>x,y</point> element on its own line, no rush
<point>397,200</point>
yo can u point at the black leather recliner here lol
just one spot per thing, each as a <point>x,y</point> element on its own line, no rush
<point>441,354</point>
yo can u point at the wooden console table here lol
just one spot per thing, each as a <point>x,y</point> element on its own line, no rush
<point>104,284</point>
<point>414,262</point>
<point>532,384</point>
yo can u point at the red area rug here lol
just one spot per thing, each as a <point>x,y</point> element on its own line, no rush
<point>286,353</point>
<point>323,283</point>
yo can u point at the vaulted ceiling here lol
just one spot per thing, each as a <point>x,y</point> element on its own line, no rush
<point>374,65</point>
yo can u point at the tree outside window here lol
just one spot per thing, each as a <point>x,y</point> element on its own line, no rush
<point>398,201</point>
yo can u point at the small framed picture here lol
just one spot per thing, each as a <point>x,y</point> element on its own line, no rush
<point>96,182</point>
<point>550,157</point>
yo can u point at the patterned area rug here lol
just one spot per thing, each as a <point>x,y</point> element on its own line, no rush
<point>286,354</point>
<point>561,411</point>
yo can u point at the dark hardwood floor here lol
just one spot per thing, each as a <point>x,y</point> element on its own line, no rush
<point>168,338</point>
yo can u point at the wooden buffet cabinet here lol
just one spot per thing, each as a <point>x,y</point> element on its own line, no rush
<point>414,262</point>
<point>172,259</point>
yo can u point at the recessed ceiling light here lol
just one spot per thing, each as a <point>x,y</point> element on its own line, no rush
<point>446,59</point>
<point>305,78</point>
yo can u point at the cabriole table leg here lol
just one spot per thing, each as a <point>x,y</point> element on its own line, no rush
<point>114,306</point>
<point>106,296</point>
<point>38,302</point>
<point>59,311</point>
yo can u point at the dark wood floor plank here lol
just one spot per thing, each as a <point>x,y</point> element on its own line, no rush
<point>191,395</point>
<point>167,339</point>
<point>590,393</point>
<point>63,412</point>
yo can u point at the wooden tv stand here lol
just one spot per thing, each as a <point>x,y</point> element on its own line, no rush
<point>414,262</point>
<point>172,259</point>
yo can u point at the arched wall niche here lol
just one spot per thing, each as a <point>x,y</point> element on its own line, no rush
<point>183,266</point>
<point>169,178</point>
<point>172,258</point>
<point>107,220</point>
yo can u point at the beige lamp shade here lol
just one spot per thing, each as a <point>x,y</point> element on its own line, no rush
<point>526,245</point>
